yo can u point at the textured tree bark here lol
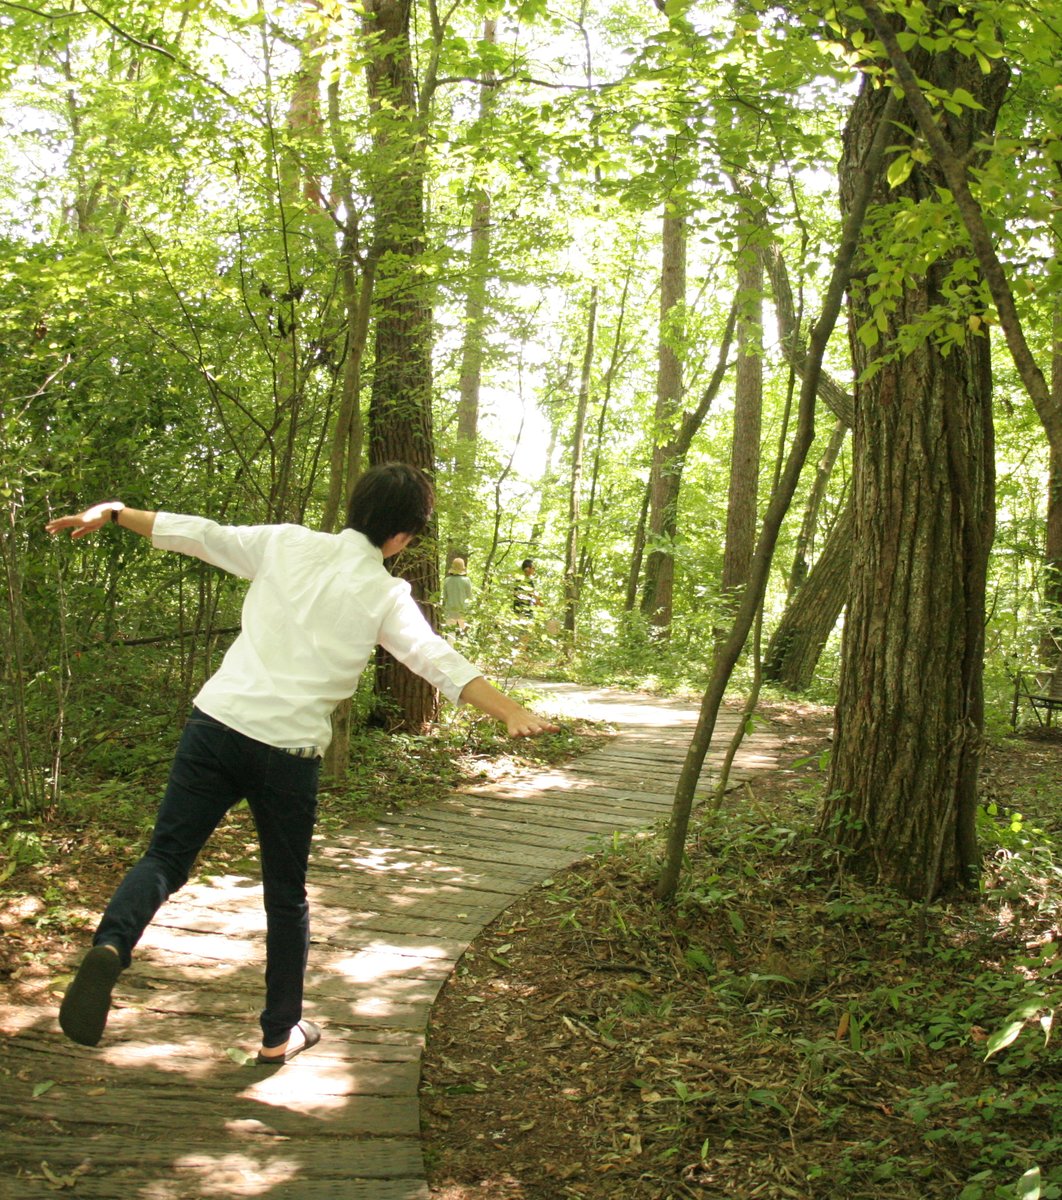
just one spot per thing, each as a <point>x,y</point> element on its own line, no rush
<point>812,612</point>
<point>572,580</point>
<point>810,524</point>
<point>743,491</point>
<point>903,782</point>
<point>400,419</point>
<point>476,296</point>
<point>664,483</point>
<point>1051,642</point>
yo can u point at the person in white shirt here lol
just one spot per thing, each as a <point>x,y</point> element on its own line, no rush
<point>317,606</point>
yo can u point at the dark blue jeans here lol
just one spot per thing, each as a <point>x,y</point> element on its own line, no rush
<point>214,768</point>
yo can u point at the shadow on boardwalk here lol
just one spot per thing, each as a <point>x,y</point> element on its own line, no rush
<point>163,1108</point>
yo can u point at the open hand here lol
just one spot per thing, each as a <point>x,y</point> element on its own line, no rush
<point>527,724</point>
<point>85,522</point>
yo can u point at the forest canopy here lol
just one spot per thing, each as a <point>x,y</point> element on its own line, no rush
<point>577,261</point>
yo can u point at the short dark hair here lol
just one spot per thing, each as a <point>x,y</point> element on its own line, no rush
<point>527,563</point>
<point>391,498</point>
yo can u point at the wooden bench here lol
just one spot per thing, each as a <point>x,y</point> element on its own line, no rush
<point>1041,690</point>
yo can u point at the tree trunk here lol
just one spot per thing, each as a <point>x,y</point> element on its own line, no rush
<point>575,489</point>
<point>812,611</point>
<point>730,649</point>
<point>637,551</point>
<point>585,552</point>
<point>902,791</point>
<point>748,406</point>
<point>1051,641</point>
<point>664,485</point>
<point>400,419</point>
<point>476,296</point>
<point>299,211</point>
<point>464,482</point>
<point>799,570</point>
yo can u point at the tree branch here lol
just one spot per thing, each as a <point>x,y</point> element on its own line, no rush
<point>954,169</point>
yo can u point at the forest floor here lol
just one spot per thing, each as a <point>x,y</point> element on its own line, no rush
<point>779,1032</point>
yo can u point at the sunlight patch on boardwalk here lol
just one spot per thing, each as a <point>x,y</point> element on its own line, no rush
<point>165,1109</point>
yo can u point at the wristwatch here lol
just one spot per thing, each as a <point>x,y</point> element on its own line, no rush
<point>118,506</point>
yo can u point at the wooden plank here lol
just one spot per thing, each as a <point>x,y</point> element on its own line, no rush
<point>210,949</point>
<point>580,788</point>
<point>332,1077</point>
<point>524,810</point>
<point>154,1110</point>
<point>467,837</point>
<point>173,1186</point>
<point>549,811</point>
<point>461,901</point>
<point>387,1002</point>
<point>331,873</point>
<point>342,1157</point>
<point>178,1184</point>
<point>332,929</point>
<point>517,833</point>
<point>41,1051</point>
<point>426,925</point>
<point>163,1113</point>
<point>505,879</point>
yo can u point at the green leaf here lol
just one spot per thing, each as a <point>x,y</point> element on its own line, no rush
<point>40,1088</point>
<point>1004,1037</point>
<point>1028,1186</point>
<point>899,169</point>
<point>962,96</point>
<point>696,957</point>
<point>767,1098</point>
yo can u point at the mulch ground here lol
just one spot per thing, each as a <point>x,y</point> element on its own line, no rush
<point>594,1046</point>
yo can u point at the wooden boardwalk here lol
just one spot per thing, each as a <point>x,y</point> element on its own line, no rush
<point>161,1110</point>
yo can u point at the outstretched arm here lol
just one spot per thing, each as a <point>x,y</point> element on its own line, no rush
<point>518,720</point>
<point>102,514</point>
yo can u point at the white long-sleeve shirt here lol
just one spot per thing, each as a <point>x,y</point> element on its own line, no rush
<point>317,607</point>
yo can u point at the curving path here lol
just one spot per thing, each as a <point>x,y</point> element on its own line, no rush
<point>163,1108</point>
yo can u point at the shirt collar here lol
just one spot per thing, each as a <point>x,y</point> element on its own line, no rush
<point>363,543</point>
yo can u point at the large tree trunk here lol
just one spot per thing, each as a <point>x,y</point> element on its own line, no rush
<point>400,424</point>
<point>902,791</point>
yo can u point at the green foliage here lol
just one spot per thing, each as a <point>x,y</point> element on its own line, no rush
<point>181,237</point>
<point>775,996</point>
